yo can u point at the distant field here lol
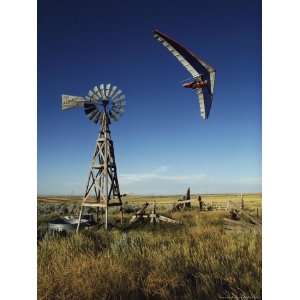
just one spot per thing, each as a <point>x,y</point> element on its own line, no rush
<point>253,200</point>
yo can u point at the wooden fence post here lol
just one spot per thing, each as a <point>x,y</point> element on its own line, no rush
<point>242,201</point>
<point>200,203</point>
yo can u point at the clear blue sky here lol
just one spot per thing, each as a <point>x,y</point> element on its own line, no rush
<point>162,145</point>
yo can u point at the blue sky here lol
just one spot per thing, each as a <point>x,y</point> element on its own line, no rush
<point>162,145</point>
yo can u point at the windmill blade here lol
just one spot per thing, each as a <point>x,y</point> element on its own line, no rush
<point>95,118</point>
<point>121,110</point>
<point>111,116</point>
<point>118,106</point>
<point>93,95</point>
<point>107,90</point>
<point>97,92</point>
<point>71,102</point>
<point>88,106</point>
<point>91,115</point>
<point>115,109</point>
<point>118,110</point>
<point>114,115</point>
<point>97,97</point>
<point>120,98</point>
<point>90,110</point>
<point>121,102</point>
<point>102,91</point>
<point>119,92</point>
<point>112,91</point>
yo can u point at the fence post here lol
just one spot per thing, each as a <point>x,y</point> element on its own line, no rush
<point>242,201</point>
<point>200,203</point>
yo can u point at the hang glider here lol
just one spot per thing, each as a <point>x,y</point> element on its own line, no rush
<point>203,75</point>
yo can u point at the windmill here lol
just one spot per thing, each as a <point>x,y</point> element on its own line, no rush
<point>103,104</point>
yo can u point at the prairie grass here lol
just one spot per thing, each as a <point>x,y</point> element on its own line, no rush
<point>197,260</point>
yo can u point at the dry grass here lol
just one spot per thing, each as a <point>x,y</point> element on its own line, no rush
<point>195,261</point>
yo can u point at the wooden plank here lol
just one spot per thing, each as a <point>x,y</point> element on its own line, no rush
<point>133,219</point>
<point>184,201</point>
<point>93,204</point>
<point>168,220</point>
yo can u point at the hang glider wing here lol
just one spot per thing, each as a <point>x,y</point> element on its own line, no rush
<point>205,101</point>
<point>193,64</point>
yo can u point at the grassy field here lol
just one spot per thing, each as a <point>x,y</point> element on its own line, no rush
<point>195,260</point>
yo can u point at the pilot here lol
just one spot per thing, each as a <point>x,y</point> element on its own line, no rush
<point>199,83</point>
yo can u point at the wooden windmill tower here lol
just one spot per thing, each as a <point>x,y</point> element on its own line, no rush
<point>103,104</point>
